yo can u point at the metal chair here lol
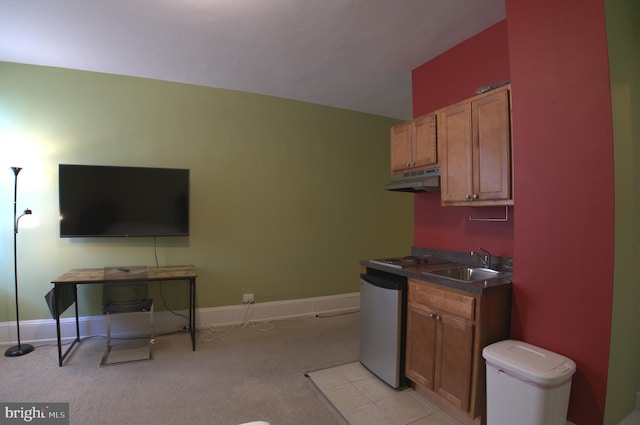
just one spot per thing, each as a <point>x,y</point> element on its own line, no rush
<point>126,298</point>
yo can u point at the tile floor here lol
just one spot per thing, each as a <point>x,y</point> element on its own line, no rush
<point>363,399</point>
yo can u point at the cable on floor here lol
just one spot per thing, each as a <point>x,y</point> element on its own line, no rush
<point>326,315</point>
<point>211,332</point>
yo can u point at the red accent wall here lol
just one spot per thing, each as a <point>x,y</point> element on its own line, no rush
<point>453,76</point>
<point>456,74</point>
<point>563,143</point>
<point>560,233</point>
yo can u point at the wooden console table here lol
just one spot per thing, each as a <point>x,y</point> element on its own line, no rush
<point>74,277</point>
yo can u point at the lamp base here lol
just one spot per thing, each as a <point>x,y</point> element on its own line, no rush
<point>18,350</point>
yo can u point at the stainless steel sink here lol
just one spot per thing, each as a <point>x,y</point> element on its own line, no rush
<point>468,274</point>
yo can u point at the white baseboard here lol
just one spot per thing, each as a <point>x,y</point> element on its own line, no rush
<point>131,324</point>
<point>230,315</point>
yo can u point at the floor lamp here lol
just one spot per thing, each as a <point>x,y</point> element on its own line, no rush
<point>20,349</point>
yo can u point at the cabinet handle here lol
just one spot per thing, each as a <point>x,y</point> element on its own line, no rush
<point>432,316</point>
<point>467,197</point>
<point>406,164</point>
<point>475,197</point>
<point>413,164</point>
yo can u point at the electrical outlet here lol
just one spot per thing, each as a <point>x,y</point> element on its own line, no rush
<point>247,298</point>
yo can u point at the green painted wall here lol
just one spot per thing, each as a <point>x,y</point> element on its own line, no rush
<point>623,38</point>
<point>286,196</point>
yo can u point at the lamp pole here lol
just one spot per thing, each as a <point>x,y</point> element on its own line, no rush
<point>20,349</point>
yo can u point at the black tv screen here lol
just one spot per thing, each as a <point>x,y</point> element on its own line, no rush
<point>110,201</point>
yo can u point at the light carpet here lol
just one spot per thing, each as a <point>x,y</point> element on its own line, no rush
<point>246,375</point>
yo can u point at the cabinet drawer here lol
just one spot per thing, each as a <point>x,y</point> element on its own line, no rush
<point>442,299</point>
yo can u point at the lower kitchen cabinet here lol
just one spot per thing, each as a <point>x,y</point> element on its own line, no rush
<point>446,331</point>
<point>421,344</point>
<point>453,357</point>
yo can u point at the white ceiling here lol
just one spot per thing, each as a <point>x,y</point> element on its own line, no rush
<point>352,54</point>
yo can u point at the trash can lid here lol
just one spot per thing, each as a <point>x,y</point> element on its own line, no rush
<point>529,363</point>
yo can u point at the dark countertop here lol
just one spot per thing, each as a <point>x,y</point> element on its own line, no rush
<point>456,259</point>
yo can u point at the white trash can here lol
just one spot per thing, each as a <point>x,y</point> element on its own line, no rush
<point>526,385</point>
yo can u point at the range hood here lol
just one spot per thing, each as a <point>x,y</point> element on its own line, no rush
<point>416,181</point>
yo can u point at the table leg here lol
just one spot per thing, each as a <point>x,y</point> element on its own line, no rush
<point>192,312</point>
<point>61,356</point>
<point>75,301</point>
<point>56,295</point>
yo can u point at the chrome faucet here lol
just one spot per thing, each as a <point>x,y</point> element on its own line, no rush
<point>485,257</point>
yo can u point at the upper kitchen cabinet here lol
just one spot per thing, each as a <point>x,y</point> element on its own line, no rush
<point>474,138</point>
<point>413,145</point>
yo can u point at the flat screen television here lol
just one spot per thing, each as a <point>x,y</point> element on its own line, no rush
<point>112,201</point>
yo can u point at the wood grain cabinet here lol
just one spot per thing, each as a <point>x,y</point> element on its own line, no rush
<point>414,145</point>
<point>446,331</point>
<point>474,140</point>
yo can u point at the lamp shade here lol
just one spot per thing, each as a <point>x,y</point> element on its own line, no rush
<point>27,220</point>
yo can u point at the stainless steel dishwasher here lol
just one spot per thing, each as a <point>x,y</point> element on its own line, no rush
<point>383,301</point>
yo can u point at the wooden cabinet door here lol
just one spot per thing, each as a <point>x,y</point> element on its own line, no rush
<point>452,380</point>
<point>401,147</point>
<point>446,332</point>
<point>474,142</point>
<point>454,136</point>
<point>491,147</point>
<point>421,345</point>
<point>425,147</point>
